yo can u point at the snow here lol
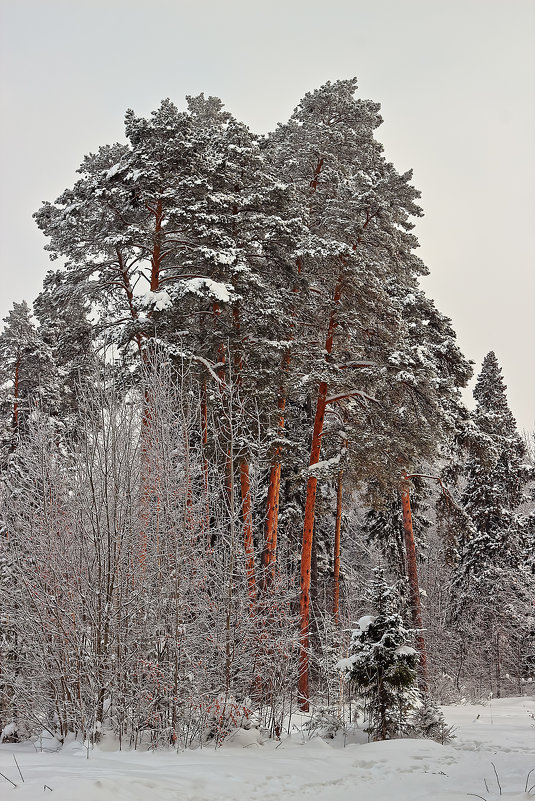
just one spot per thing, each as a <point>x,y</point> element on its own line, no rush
<point>216,289</point>
<point>68,209</point>
<point>114,170</point>
<point>365,622</point>
<point>405,650</point>
<point>297,768</point>
<point>324,465</point>
<point>8,731</point>
<point>209,366</point>
<point>159,301</point>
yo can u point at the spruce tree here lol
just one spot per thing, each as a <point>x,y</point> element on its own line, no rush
<point>495,490</point>
<point>382,664</point>
<point>493,586</point>
<point>26,370</point>
<point>67,334</point>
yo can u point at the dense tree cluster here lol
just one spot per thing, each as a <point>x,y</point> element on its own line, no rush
<point>233,375</point>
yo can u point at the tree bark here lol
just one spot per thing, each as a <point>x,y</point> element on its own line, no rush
<point>127,286</point>
<point>205,472</point>
<point>16,393</point>
<point>337,532</point>
<point>412,575</point>
<point>269,556</point>
<point>310,506</point>
<point>248,531</point>
<point>156,259</point>
<point>273,497</point>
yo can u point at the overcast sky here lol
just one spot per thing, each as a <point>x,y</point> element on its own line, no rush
<point>455,78</point>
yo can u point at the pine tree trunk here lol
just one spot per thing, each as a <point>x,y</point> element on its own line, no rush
<point>337,532</point>
<point>248,531</point>
<point>310,506</point>
<point>269,556</point>
<point>127,286</point>
<point>306,551</point>
<point>156,259</point>
<point>412,575</point>
<point>273,498</point>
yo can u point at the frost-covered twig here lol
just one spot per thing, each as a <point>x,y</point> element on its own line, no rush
<point>9,780</point>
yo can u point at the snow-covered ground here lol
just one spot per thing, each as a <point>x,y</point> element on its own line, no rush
<point>298,768</point>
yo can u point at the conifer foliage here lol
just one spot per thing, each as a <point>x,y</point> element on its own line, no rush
<point>234,354</point>
<point>496,481</point>
<point>493,583</point>
<point>382,664</point>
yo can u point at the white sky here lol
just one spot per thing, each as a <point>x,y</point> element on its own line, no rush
<point>455,78</point>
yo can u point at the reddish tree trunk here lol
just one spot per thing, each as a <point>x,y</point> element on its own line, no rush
<point>272,516</point>
<point>125,278</point>
<point>270,548</point>
<point>310,506</point>
<point>156,259</point>
<point>412,574</point>
<point>269,556</point>
<point>248,531</point>
<point>315,177</point>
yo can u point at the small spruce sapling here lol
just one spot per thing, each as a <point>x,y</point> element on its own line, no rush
<point>429,722</point>
<point>382,666</point>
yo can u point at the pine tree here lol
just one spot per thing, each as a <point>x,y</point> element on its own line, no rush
<point>279,276</point>
<point>123,226</point>
<point>188,212</point>
<point>382,340</point>
<point>383,527</point>
<point>356,209</point>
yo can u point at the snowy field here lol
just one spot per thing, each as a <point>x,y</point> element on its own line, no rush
<point>298,768</point>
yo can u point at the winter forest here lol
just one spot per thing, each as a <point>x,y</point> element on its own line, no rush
<point>238,480</point>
